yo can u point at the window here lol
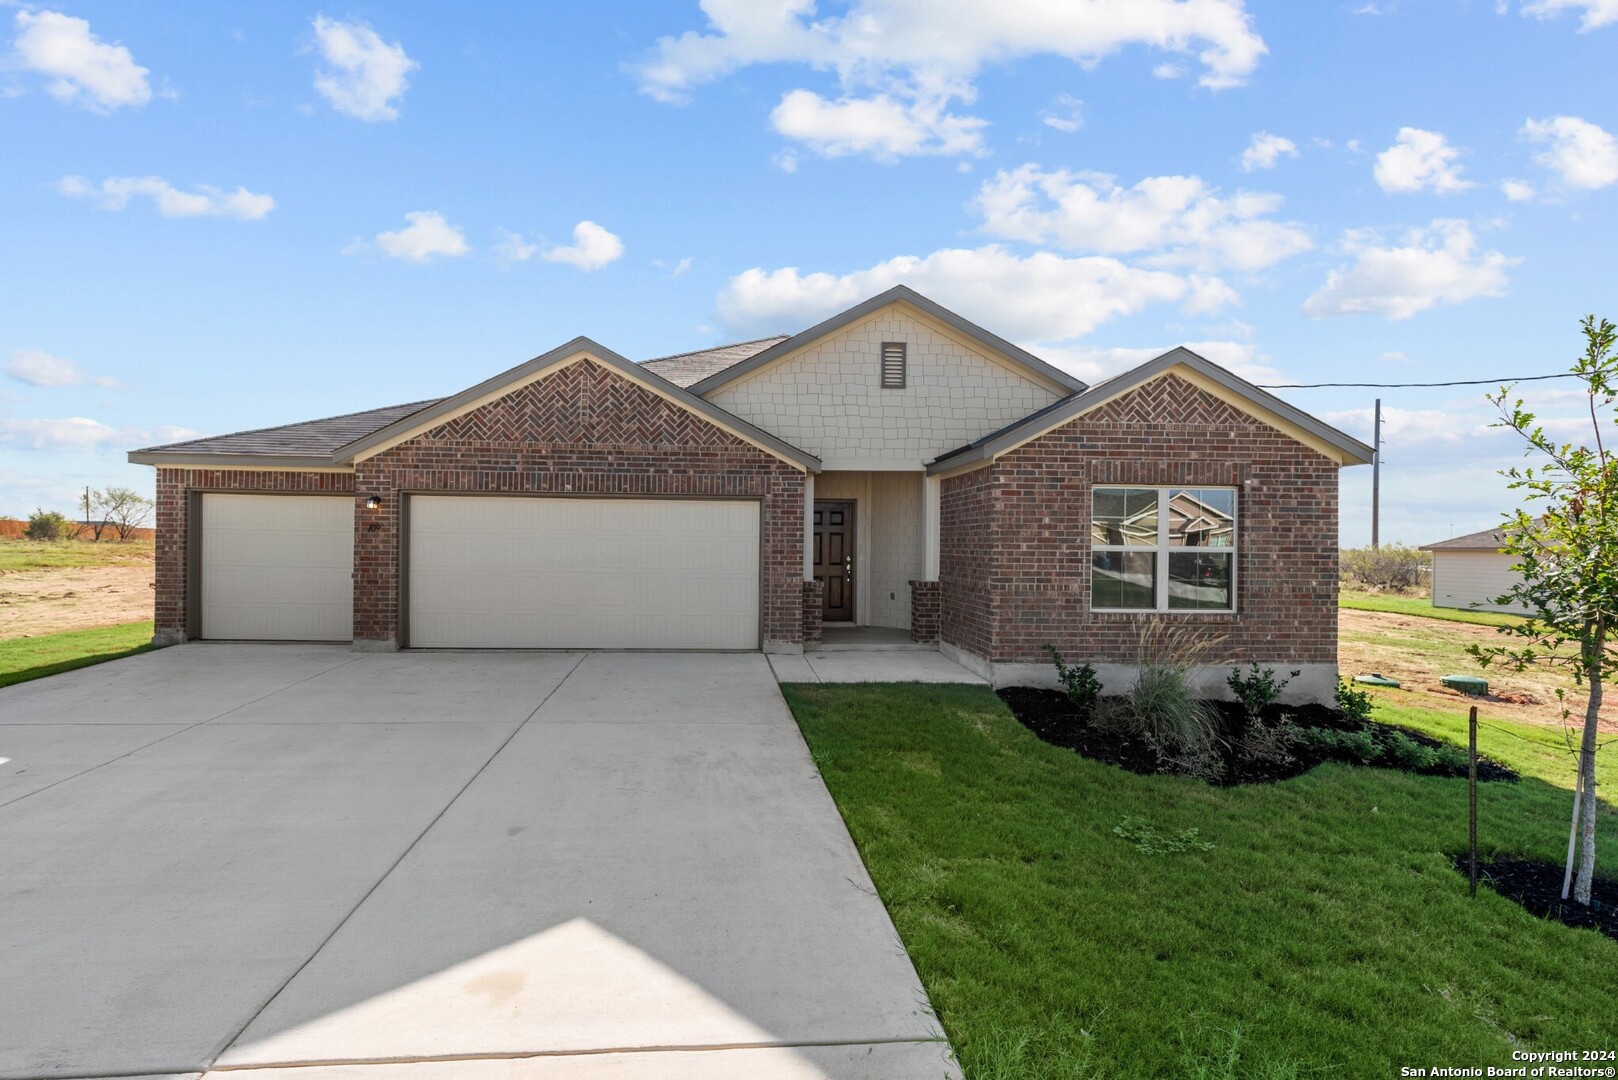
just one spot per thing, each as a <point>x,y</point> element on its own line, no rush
<point>893,365</point>
<point>1163,549</point>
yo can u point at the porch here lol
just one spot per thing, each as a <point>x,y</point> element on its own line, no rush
<point>870,556</point>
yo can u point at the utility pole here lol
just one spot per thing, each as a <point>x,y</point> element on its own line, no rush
<point>87,508</point>
<point>1376,475</point>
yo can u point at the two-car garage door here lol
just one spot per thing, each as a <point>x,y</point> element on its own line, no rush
<point>601,573</point>
<point>492,571</point>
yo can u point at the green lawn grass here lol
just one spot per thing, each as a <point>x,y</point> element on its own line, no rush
<point>21,554</point>
<point>1420,606</point>
<point>27,658</point>
<point>1324,933</point>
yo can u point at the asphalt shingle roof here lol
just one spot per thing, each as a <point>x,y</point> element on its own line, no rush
<point>310,438</point>
<point>1482,540</point>
<point>688,369</point>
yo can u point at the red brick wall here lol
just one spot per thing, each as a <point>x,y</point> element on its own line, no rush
<point>1037,502</point>
<point>581,430</point>
<point>966,548</point>
<point>173,526</point>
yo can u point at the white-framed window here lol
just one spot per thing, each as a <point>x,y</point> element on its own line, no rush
<point>1162,548</point>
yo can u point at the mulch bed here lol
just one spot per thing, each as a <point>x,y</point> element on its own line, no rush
<point>1051,716</point>
<point>1537,886</point>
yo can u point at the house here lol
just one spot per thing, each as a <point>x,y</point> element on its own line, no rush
<point>894,466</point>
<point>1472,571</point>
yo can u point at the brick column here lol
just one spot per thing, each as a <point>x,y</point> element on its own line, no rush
<point>924,611</point>
<point>813,607</point>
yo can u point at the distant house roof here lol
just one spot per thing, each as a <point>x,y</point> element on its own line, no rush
<point>309,443</point>
<point>1482,540</point>
<point>689,368</point>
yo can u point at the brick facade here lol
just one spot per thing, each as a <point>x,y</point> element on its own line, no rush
<point>1015,547</point>
<point>814,611</point>
<point>924,611</point>
<point>581,430</point>
<point>174,527</point>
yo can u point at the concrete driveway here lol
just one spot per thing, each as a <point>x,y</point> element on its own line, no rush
<point>435,866</point>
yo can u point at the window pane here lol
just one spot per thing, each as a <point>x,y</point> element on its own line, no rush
<point>1124,516</point>
<point>1123,579</point>
<point>1202,517</point>
<point>1200,579</point>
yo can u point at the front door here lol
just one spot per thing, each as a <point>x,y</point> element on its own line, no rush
<point>834,559</point>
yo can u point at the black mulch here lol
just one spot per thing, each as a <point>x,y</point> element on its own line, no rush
<point>1050,715</point>
<point>1537,886</point>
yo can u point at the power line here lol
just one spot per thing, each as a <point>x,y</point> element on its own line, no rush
<point>1406,385</point>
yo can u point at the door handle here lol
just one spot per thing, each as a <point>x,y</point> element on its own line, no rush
<point>848,567</point>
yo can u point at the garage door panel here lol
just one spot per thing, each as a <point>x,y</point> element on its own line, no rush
<point>496,572</point>
<point>277,567</point>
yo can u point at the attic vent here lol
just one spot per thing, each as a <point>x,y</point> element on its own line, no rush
<point>893,365</point>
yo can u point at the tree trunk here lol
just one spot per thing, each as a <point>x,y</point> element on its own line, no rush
<point>1587,771</point>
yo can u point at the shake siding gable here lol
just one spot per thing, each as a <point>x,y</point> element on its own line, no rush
<point>1016,548</point>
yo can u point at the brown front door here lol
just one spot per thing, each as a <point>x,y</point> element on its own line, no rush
<point>834,559</point>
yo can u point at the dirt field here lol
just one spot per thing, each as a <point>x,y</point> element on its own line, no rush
<point>49,599</point>
<point>1418,651</point>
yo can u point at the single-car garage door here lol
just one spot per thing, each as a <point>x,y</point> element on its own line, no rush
<point>597,573</point>
<point>278,567</point>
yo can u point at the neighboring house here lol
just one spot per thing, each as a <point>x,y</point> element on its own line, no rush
<point>894,466</point>
<point>1472,572</point>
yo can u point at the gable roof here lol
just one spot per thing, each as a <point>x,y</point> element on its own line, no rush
<point>1482,540</point>
<point>410,426</point>
<point>1349,450</point>
<point>899,293</point>
<point>685,369</point>
<point>308,444</point>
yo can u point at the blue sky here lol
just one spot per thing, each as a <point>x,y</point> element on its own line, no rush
<point>218,217</point>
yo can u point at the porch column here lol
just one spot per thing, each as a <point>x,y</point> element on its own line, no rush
<point>931,491</point>
<point>808,526</point>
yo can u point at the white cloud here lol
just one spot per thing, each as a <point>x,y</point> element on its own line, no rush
<point>115,193</point>
<point>1065,114</point>
<point>1265,150</point>
<point>880,126</point>
<point>512,248</point>
<point>899,64</point>
<point>1439,264</point>
<point>428,235</point>
<point>1179,219</point>
<point>1407,425</point>
<point>83,70</point>
<point>1596,13</point>
<point>1168,70</point>
<point>1420,160</point>
<point>1581,153</point>
<point>36,367</point>
<point>365,75</point>
<point>593,247</point>
<point>82,433</point>
<point>1041,297</point>
<point>1517,190</point>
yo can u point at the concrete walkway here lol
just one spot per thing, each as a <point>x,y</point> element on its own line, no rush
<point>874,666</point>
<point>310,864</point>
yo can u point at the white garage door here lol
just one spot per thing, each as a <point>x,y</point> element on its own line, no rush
<point>278,567</point>
<point>560,573</point>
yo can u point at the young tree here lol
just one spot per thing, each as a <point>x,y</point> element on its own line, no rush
<point>47,525</point>
<point>1566,544</point>
<point>125,509</point>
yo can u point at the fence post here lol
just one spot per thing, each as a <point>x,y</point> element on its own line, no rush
<point>1472,799</point>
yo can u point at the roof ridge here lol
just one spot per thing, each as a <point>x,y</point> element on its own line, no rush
<point>419,405</point>
<point>715,348</point>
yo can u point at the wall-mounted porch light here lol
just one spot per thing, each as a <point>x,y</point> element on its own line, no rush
<point>373,502</point>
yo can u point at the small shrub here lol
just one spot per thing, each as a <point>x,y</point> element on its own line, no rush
<point>1357,746</point>
<point>1082,685</point>
<point>1268,743</point>
<point>1144,838</point>
<point>48,525</point>
<point>1257,689</point>
<point>1355,704</point>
